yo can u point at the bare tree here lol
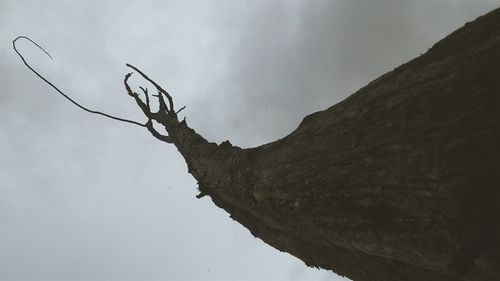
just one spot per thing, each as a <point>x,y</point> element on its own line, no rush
<point>400,181</point>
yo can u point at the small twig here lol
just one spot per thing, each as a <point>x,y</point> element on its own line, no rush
<point>127,87</point>
<point>158,87</point>
<point>59,91</point>
<point>140,103</point>
<point>145,91</point>
<point>182,108</point>
<point>163,107</point>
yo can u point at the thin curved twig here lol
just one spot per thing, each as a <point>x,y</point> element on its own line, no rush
<point>59,91</point>
<point>182,108</point>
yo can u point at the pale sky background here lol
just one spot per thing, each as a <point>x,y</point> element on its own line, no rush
<point>85,197</point>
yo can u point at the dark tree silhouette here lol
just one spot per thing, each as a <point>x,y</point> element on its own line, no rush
<point>400,181</point>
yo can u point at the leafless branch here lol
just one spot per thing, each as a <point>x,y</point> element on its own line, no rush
<point>163,107</point>
<point>158,87</point>
<point>156,134</point>
<point>161,116</point>
<point>182,108</point>
<point>138,100</point>
<point>59,91</point>
<point>145,91</point>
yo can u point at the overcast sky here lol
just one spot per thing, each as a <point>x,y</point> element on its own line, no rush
<point>84,197</point>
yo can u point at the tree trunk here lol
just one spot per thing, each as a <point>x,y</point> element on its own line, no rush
<point>400,181</point>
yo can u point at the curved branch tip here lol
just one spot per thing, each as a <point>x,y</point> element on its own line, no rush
<point>34,43</point>
<point>61,92</point>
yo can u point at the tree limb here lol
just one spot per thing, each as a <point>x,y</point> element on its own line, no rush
<point>160,116</point>
<point>182,108</point>
<point>158,87</point>
<point>156,134</point>
<point>59,91</point>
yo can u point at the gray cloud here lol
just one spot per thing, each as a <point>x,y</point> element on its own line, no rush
<point>83,197</point>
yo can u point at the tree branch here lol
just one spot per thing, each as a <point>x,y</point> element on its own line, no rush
<point>156,134</point>
<point>160,116</point>
<point>163,107</point>
<point>182,108</point>
<point>144,107</point>
<point>59,91</point>
<point>158,87</point>
<point>145,91</point>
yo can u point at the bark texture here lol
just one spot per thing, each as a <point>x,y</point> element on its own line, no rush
<point>400,181</point>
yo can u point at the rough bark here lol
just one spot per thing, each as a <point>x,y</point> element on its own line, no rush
<point>400,181</point>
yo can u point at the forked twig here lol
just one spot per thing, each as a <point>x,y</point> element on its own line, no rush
<point>158,87</point>
<point>163,113</point>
